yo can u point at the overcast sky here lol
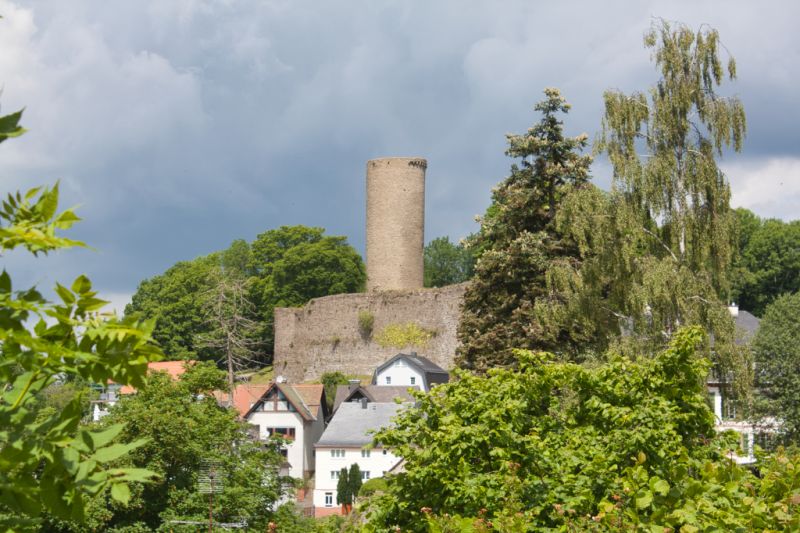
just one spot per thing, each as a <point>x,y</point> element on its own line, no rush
<point>181,125</point>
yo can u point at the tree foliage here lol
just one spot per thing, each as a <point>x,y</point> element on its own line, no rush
<point>662,241</point>
<point>514,300</point>
<point>769,261</point>
<point>185,427</point>
<point>559,446</point>
<point>623,268</point>
<point>446,263</point>
<point>777,351</point>
<point>48,462</point>
<point>283,267</point>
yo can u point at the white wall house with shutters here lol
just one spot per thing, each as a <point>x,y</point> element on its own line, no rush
<point>347,441</point>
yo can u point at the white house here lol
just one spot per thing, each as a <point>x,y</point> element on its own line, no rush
<point>295,412</point>
<point>718,387</point>
<point>410,370</point>
<point>346,441</point>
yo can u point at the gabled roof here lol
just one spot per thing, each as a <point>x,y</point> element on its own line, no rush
<point>431,372</point>
<point>296,395</point>
<point>174,368</point>
<point>353,423</point>
<point>747,325</point>
<point>245,396</point>
<point>373,393</point>
<point>313,395</point>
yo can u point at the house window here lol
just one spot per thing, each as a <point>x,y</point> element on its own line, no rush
<point>284,453</point>
<point>286,433</point>
<point>384,452</point>
<point>388,380</point>
<point>337,453</point>
<point>334,474</point>
<point>365,475</point>
<point>728,409</point>
<point>413,380</point>
<point>328,499</point>
<point>365,453</point>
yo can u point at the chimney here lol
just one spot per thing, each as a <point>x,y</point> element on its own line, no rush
<point>395,223</point>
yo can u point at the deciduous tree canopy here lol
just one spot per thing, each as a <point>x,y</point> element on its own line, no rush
<point>447,263</point>
<point>558,446</point>
<point>283,267</point>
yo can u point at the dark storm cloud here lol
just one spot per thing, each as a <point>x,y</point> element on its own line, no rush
<point>182,125</point>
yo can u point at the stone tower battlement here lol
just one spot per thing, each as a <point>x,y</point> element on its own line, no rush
<point>395,223</point>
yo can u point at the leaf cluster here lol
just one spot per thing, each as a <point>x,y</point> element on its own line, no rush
<point>282,267</point>
<point>48,462</point>
<point>558,446</point>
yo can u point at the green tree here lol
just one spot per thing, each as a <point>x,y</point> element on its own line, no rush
<point>656,251</point>
<point>354,482</point>
<point>514,300</point>
<point>627,445</point>
<point>331,380</point>
<point>777,351</point>
<point>769,265</point>
<point>447,263</point>
<point>283,267</point>
<point>48,463</point>
<point>343,496</point>
<point>185,427</point>
<point>176,300</point>
<point>662,146</point>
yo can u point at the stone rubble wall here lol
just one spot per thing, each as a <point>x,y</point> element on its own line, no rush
<point>324,335</point>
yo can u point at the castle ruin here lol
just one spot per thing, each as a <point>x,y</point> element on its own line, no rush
<point>328,334</point>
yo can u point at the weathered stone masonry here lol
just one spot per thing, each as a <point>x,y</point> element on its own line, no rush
<point>395,223</point>
<point>324,335</point>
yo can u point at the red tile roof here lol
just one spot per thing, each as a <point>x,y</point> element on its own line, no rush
<point>244,396</point>
<point>173,368</point>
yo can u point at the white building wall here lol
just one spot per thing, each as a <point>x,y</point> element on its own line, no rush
<point>400,373</point>
<point>377,464</point>
<point>296,455</point>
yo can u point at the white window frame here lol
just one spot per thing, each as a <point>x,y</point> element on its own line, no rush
<point>388,380</point>
<point>365,453</point>
<point>328,499</point>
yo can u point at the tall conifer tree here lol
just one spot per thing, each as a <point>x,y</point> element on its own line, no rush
<point>515,300</point>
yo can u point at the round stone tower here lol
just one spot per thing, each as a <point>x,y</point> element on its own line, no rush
<point>395,222</point>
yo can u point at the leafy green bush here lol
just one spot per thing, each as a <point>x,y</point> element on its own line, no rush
<point>625,445</point>
<point>366,321</point>
<point>373,486</point>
